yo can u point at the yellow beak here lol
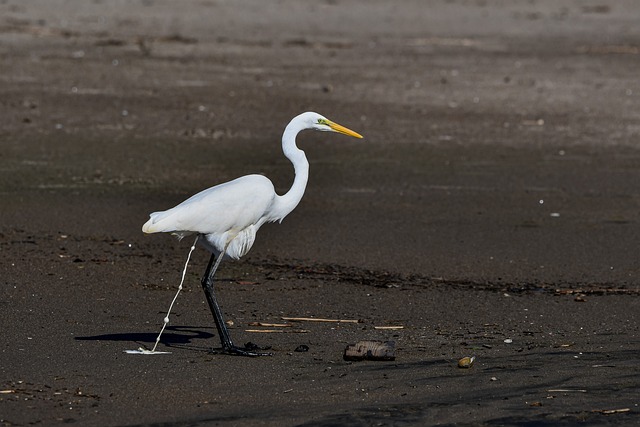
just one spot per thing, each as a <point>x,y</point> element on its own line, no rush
<point>339,128</point>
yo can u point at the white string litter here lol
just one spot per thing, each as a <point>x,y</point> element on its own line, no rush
<point>141,350</point>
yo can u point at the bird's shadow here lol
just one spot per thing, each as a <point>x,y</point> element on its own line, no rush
<point>173,336</point>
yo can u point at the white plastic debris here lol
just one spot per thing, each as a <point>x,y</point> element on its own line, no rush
<point>141,350</point>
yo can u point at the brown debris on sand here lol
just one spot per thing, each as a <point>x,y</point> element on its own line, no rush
<point>370,350</point>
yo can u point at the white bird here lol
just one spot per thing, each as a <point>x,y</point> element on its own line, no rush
<point>227,216</point>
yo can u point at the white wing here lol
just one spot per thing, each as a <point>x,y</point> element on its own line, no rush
<point>226,208</point>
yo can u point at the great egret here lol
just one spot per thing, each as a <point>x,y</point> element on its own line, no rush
<point>226,217</point>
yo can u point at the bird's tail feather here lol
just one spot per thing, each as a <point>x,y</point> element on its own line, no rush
<point>154,224</point>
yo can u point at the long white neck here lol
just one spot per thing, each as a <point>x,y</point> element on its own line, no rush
<point>286,203</point>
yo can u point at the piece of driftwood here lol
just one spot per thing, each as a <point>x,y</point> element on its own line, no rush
<point>370,350</point>
<point>612,411</point>
<point>271,325</point>
<point>317,319</point>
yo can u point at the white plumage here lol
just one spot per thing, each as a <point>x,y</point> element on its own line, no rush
<point>229,215</point>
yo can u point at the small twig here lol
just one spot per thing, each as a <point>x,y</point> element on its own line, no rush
<point>274,331</point>
<point>271,325</point>
<point>315,319</point>
<point>611,411</point>
<point>565,390</point>
<point>391,328</point>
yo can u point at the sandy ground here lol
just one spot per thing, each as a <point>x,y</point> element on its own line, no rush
<point>492,210</point>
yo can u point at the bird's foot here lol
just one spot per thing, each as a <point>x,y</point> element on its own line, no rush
<point>249,350</point>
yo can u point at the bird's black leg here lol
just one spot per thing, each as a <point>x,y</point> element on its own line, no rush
<point>225,338</point>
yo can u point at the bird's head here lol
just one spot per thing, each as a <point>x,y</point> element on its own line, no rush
<point>319,122</point>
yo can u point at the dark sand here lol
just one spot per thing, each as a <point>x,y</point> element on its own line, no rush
<point>496,197</point>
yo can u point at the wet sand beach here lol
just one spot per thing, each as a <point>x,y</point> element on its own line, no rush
<point>491,210</point>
